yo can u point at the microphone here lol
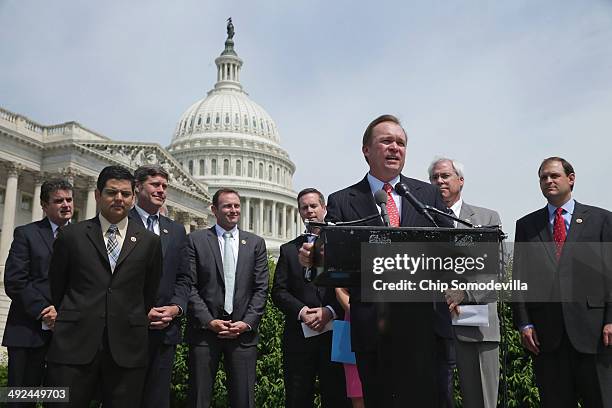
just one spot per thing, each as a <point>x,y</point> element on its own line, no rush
<point>381,200</point>
<point>403,190</point>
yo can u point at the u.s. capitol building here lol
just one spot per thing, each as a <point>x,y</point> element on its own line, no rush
<point>222,140</point>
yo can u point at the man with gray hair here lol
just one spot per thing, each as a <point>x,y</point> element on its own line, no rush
<point>476,348</point>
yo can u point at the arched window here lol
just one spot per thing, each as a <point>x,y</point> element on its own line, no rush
<point>278,175</point>
<point>213,167</point>
<point>270,172</point>
<point>238,168</point>
<point>199,121</point>
<point>227,119</point>
<point>191,167</point>
<point>217,119</point>
<point>208,119</point>
<point>225,167</point>
<point>261,175</point>
<point>250,169</point>
<point>202,166</point>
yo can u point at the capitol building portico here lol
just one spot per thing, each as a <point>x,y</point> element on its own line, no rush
<point>228,140</point>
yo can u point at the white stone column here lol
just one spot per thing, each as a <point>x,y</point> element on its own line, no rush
<point>274,226</point>
<point>260,224</point>
<point>247,214</point>
<point>37,211</point>
<point>298,223</point>
<point>284,222</point>
<point>90,204</point>
<point>10,203</point>
<point>292,229</point>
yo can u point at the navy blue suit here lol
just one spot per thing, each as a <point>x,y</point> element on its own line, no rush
<point>174,288</point>
<point>26,283</point>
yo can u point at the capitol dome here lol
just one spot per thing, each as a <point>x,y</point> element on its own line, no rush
<point>228,140</point>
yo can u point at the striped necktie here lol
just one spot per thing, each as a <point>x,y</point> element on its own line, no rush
<point>112,246</point>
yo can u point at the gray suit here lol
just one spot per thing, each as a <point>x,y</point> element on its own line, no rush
<point>206,303</point>
<point>477,348</point>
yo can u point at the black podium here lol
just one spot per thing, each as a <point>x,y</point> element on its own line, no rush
<point>407,332</point>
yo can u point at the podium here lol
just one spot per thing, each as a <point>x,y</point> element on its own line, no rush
<point>408,333</point>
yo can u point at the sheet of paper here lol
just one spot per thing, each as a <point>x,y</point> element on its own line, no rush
<point>308,332</point>
<point>472,315</point>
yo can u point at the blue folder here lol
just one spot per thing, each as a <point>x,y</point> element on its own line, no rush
<point>341,343</point>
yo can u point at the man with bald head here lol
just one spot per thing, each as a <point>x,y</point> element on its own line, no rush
<point>476,349</point>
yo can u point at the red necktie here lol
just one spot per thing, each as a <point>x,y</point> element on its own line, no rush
<point>394,218</point>
<point>559,232</point>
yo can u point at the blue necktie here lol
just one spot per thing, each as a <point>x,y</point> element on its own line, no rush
<point>112,246</point>
<point>151,220</point>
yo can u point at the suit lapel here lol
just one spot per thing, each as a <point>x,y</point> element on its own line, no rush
<point>164,235</point>
<point>94,233</point>
<point>409,214</point>
<point>132,236</point>
<point>466,214</point>
<point>213,241</point>
<point>362,201</point>
<point>243,244</point>
<point>543,229</point>
<point>576,227</point>
<point>46,232</point>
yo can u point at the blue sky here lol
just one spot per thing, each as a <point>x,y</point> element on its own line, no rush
<point>496,85</point>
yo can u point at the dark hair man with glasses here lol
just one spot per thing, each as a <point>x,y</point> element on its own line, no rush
<point>103,278</point>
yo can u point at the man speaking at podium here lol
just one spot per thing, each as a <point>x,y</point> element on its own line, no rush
<point>397,369</point>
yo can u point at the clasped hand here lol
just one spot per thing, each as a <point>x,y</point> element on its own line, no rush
<point>316,318</point>
<point>160,317</point>
<point>226,329</point>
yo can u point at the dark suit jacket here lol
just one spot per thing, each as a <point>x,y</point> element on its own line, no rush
<point>175,283</point>
<point>290,293</point>
<point>208,295</point>
<point>26,283</point>
<point>582,278</point>
<point>91,299</point>
<point>356,202</point>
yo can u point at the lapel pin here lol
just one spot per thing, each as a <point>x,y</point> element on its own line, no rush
<point>578,220</point>
<point>165,231</point>
<point>243,242</point>
<point>133,239</point>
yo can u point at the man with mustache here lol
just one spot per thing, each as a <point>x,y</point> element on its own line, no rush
<point>174,287</point>
<point>103,279</point>
<point>32,314</point>
<point>384,149</point>
<point>305,358</point>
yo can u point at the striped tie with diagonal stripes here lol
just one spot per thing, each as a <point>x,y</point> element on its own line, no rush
<point>112,246</point>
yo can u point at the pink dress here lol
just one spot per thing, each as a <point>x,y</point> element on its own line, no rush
<point>353,383</point>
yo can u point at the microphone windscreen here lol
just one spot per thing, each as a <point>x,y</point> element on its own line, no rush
<point>401,188</point>
<point>380,197</point>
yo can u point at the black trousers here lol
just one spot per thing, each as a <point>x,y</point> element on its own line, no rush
<point>239,363</point>
<point>565,375</point>
<point>300,370</point>
<point>159,372</point>
<point>26,368</point>
<point>401,373</point>
<point>119,386</point>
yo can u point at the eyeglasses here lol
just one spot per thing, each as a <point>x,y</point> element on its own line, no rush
<point>111,192</point>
